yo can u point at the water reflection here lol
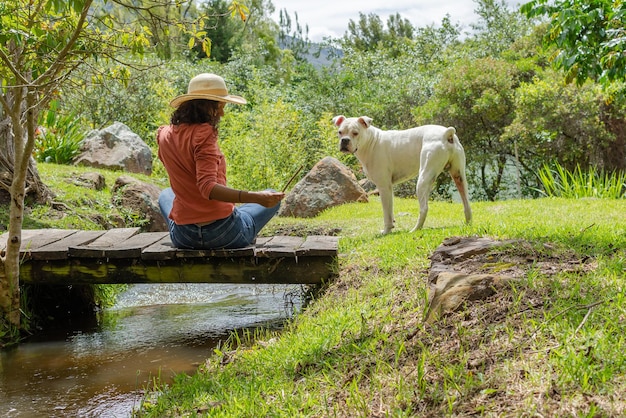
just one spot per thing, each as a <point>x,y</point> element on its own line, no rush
<point>154,331</point>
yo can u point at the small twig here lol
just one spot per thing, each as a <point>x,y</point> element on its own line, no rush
<point>582,231</point>
<point>292,178</point>
<point>583,321</point>
<point>589,307</point>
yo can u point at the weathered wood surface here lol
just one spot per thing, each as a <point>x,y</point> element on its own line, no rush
<point>124,255</point>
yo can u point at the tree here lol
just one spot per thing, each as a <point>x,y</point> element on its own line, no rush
<point>295,39</point>
<point>590,35</point>
<point>477,98</point>
<point>578,126</point>
<point>369,34</point>
<point>497,27</point>
<point>42,42</point>
<point>224,32</point>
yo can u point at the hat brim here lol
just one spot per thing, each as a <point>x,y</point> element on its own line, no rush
<point>231,98</point>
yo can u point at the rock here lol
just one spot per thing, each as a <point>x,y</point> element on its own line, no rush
<point>116,148</point>
<point>456,249</point>
<point>449,287</point>
<point>329,183</point>
<point>451,290</point>
<point>142,200</point>
<point>92,180</point>
<point>368,186</point>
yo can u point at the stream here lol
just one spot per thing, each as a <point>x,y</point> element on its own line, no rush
<point>100,368</point>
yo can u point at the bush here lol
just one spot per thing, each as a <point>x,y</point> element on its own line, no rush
<point>266,144</point>
<point>559,182</point>
<point>59,136</point>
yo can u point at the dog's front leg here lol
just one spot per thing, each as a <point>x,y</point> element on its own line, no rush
<point>386,198</point>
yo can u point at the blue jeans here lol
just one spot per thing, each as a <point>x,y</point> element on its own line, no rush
<point>236,231</point>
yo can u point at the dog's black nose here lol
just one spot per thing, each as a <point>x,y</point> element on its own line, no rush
<point>344,144</point>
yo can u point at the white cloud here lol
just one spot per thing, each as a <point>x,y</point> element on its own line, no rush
<point>327,18</point>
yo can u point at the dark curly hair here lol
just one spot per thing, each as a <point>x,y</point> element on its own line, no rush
<point>197,111</point>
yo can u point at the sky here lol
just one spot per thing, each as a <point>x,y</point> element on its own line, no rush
<point>328,18</point>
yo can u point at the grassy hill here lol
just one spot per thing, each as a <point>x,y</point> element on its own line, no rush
<point>551,345</point>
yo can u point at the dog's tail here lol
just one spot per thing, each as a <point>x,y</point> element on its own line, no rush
<point>449,134</point>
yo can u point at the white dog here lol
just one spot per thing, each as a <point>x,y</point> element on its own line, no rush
<point>391,157</point>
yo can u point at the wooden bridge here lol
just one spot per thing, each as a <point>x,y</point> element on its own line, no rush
<point>125,255</point>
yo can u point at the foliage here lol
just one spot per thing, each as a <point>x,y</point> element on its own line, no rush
<point>590,36</point>
<point>369,34</point>
<point>295,39</point>
<point>136,97</point>
<point>369,85</point>
<point>224,32</point>
<point>576,184</point>
<point>562,122</point>
<point>265,146</point>
<point>60,136</point>
<point>497,28</point>
<point>477,98</point>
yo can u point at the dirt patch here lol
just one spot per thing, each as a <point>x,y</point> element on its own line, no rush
<point>301,230</point>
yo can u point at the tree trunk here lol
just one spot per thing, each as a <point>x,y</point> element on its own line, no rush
<point>18,179</point>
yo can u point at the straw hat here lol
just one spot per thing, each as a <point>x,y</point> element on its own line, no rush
<point>210,87</point>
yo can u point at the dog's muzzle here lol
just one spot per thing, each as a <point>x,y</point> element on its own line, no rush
<point>344,145</point>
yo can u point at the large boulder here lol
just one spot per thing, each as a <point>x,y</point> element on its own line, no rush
<point>115,147</point>
<point>329,183</point>
<point>140,200</point>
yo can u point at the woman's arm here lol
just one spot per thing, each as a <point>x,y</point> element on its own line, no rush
<point>265,198</point>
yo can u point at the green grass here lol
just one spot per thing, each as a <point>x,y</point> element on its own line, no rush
<point>76,206</point>
<point>553,345</point>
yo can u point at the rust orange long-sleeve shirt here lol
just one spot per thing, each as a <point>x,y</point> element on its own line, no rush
<point>195,164</point>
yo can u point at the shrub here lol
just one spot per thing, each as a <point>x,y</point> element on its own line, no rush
<point>559,182</point>
<point>60,136</point>
<point>265,145</point>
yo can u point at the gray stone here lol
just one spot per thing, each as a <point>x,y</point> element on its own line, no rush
<point>115,147</point>
<point>141,200</point>
<point>329,183</point>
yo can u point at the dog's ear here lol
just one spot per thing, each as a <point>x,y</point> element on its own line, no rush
<point>366,121</point>
<point>338,120</point>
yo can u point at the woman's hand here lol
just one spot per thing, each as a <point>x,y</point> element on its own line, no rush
<point>265,198</point>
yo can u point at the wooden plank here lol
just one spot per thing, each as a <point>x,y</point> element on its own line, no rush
<point>27,234</point>
<point>260,241</point>
<point>41,238</point>
<point>133,246</point>
<point>319,245</point>
<point>59,250</point>
<point>278,246</point>
<point>96,248</point>
<point>165,250</point>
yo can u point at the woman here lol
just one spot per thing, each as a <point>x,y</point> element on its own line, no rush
<point>198,207</point>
